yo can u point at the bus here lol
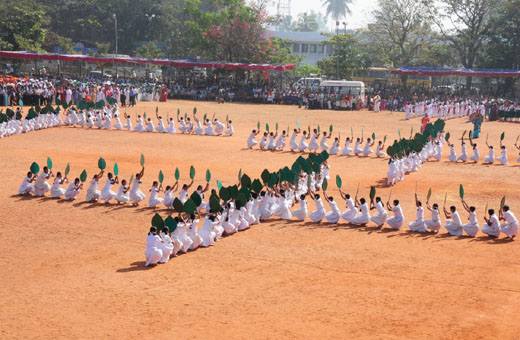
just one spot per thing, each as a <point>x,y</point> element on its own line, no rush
<point>377,77</point>
<point>343,87</point>
<point>309,83</point>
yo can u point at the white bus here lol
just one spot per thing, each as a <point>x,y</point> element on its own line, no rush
<point>343,87</point>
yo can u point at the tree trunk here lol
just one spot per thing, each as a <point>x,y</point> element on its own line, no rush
<point>404,79</point>
<point>469,81</point>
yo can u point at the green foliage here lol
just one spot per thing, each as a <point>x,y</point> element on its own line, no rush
<point>345,59</point>
<point>170,223</point>
<point>158,222</point>
<point>190,207</point>
<point>35,168</point>
<point>102,164</point>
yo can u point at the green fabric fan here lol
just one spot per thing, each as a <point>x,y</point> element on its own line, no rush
<point>190,207</point>
<point>35,168</point>
<point>142,160</point>
<point>372,193</point>
<point>194,111</point>
<point>298,123</point>
<point>256,186</point>
<point>240,201</point>
<point>224,194</point>
<point>373,136</point>
<point>158,222</point>
<point>208,175</point>
<point>265,175</point>
<point>161,176</point>
<point>502,135</point>
<point>399,133</point>
<point>156,109</point>
<point>325,184</point>
<point>205,117</point>
<point>67,170</point>
<point>276,126</point>
<point>83,176</point>
<point>195,197</point>
<point>214,204</point>
<point>144,116</point>
<point>339,182</point>
<point>49,163</point>
<point>219,185</point>
<point>429,195</point>
<point>20,103</point>
<point>502,202</point>
<point>101,163</point>
<point>177,205</point>
<point>461,192</point>
<point>258,126</point>
<point>245,181</point>
<point>170,223</point>
<point>239,175</point>
<point>319,129</point>
<point>177,174</point>
<point>178,113</point>
<point>331,128</point>
<point>384,139</point>
<point>448,137</point>
<point>116,169</point>
<point>266,127</point>
<point>192,172</point>
<point>227,118</point>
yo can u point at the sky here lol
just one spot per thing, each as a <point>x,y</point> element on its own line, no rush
<point>360,11</point>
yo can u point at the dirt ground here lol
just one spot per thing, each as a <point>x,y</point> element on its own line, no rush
<point>76,270</point>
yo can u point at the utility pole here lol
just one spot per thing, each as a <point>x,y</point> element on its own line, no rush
<point>336,52</point>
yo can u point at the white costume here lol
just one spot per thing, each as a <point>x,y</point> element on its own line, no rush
<point>136,195</point>
<point>57,191</point>
<point>492,229</point>
<point>93,193</point>
<point>510,227</point>
<point>26,187</point>
<point>454,226</point>
<point>419,224</point>
<point>106,193</point>
<point>318,214</point>
<point>435,223</point>
<point>153,200</point>
<point>153,253</point>
<point>472,227</point>
<point>396,221</point>
<point>363,217</point>
<point>379,218</point>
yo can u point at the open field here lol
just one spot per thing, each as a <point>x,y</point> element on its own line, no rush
<point>76,270</point>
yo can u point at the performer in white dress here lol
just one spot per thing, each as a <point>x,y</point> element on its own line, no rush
<point>153,252</point>
<point>510,225</point>
<point>492,225</point>
<point>396,221</point>
<point>193,233</point>
<point>335,148</point>
<point>168,194</point>
<point>57,191</point>
<point>154,198</point>
<point>171,126</point>
<point>379,149</point>
<point>302,146</point>
<point>122,193</point>
<point>93,193</point>
<point>166,245</point>
<point>434,225</point>
<point>301,214</point>
<point>346,149</point>
<point>351,212</point>
<point>379,218</point>
<point>419,224</point>
<point>73,190</point>
<point>319,214</point>
<point>334,215</point>
<point>136,195</point>
<point>251,139</point>
<point>452,156</point>
<point>230,129</point>
<point>367,149</point>
<point>292,143</point>
<point>27,187</point>
<point>357,149</point>
<point>140,125</point>
<point>41,186</point>
<point>476,155</point>
<point>106,193</point>
<point>364,215</point>
<point>453,223</point>
<point>313,144</point>
<point>470,228</point>
<point>463,154</point>
<point>207,231</point>
<point>323,141</point>
<point>503,157</point>
<point>490,158</point>
<point>160,125</point>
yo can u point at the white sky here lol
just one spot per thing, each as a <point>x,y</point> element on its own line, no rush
<point>360,10</point>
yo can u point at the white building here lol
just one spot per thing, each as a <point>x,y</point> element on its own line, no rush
<point>310,45</point>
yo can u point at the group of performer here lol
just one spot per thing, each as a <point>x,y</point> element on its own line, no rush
<point>109,117</point>
<point>302,141</point>
<point>18,126</point>
<point>444,109</point>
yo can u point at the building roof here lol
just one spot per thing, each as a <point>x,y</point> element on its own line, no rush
<point>300,36</point>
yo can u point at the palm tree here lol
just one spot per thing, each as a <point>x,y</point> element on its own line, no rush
<point>337,9</point>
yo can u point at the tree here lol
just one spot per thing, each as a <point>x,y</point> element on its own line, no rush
<point>337,9</point>
<point>502,41</point>
<point>150,51</point>
<point>307,22</point>
<point>401,28</point>
<point>345,59</point>
<point>22,26</point>
<point>470,22</point>
<point>304,70</point>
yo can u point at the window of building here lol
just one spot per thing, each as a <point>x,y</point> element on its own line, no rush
<point>314,48</point>
<point>305,48</point>
<point>296,48</point>
<point>320,48</point>
<point>330,49</point>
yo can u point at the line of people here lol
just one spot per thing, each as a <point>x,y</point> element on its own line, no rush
<point>274,142</point>
<point>109,118</point>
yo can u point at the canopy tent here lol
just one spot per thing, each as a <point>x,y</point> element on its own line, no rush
<point>463,72</point>
<point>164,62</point>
